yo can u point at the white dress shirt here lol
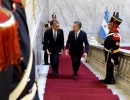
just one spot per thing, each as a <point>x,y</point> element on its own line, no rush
<point>77,33</point>
<point>54,32</point>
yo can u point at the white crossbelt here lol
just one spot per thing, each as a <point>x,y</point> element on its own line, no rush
<point>108,50</point>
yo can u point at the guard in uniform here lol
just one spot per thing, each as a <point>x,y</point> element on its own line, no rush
<point>112,48</point>
<point>8,83</point>
<point>9,51</point>
<point>53,18</point>
<point>47,26</point>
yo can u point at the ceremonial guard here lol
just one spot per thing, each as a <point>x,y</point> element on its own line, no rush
<point>112,48</point>
<point>14,56</point>
<point>47,26</point>
<point>53,18</point>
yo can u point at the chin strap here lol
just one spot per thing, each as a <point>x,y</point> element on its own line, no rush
<point>116,36</point>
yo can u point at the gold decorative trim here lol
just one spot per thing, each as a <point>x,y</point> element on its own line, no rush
<point>110,34</point>
<point>24,3</point>
<point>117,19</point>
<point>116,51</point>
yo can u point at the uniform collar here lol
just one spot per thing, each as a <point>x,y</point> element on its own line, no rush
<point>109,34</point>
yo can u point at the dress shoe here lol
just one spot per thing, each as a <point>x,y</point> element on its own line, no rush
<point>102,80</point>
<point>110,82</point>
<point>53,74</point>
<point>56,74</point>
<point>74,77</point>
<point>47,64</point>
<point>107,82</point>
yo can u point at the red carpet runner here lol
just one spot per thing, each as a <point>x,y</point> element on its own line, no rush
<point>85,87</point>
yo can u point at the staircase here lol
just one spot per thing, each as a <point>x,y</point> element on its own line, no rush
<point>86,87</point>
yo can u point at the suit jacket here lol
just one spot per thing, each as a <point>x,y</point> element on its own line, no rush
<point>76,46</point>
<point>50,43</point>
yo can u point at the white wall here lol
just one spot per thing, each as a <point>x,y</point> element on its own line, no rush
<point>37,15</point>
<point>90,13</point>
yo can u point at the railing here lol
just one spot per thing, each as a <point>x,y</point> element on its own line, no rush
<point>122,71</point>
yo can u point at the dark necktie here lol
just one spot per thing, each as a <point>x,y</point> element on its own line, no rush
<point>76,36</point>
<point>55,35</point>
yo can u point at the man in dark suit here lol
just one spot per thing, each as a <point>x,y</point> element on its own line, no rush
<point>74,43</point>
<point>54,45</point>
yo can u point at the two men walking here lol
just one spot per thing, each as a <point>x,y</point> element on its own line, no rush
<point>54,45</point>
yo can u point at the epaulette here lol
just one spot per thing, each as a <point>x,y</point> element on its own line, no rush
<point>9,41</point>
<point>116,37</point>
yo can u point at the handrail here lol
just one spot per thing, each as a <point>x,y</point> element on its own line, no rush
<point>122,51</point>
<point>22,84</point>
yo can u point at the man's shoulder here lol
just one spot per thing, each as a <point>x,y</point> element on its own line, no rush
<point>71,32</point>
<point>48,30</point>
<point>61,29</point>
<point>83,32</point>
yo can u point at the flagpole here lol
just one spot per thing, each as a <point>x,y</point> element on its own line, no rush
<point>106,5</point>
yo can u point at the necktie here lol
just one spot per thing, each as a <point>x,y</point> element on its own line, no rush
<point>55,35</point>
<point>76,36</point>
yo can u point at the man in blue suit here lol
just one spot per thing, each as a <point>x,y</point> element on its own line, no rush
<point>54,45</point>
<point>75,46</point>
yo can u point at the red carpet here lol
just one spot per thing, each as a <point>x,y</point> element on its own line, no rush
<point>85,87</point>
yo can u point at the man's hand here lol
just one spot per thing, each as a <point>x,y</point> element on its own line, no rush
<point>61,51</point>
<point>48,52</point>
<point>67,52</point>
<point>85,55</point>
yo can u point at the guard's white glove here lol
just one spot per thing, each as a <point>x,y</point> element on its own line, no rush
<point>112,61</point>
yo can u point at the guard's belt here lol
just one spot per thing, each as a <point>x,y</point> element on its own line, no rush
<point>110,51</point>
